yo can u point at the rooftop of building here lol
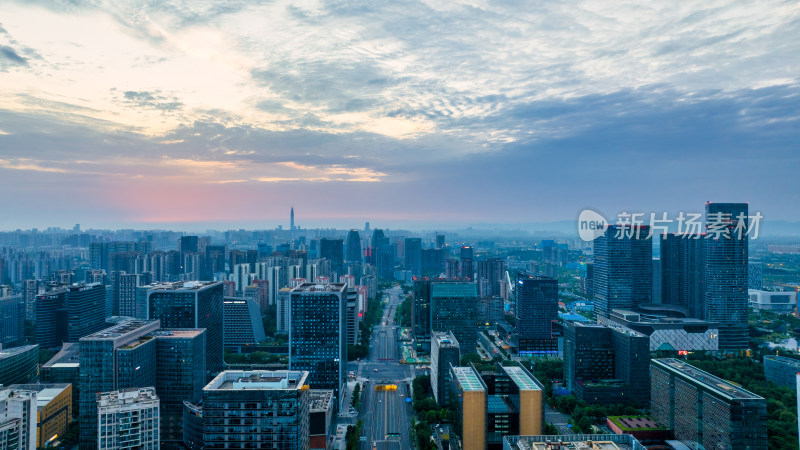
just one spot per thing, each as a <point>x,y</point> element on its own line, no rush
<point>320,400</point>
<point>45,392</point>
<point>68,356</point>
<point>635,423</point>
<point>533,276</point>
<point>137,342</point>
<point>13,351</point>
<point>259,380</point>
<point>120,329</point>
<point>445,340</point>
<point>723,388</point>
<point>180,285</point>
<point>468,379</point>
<point>574,442</point>
<point>126,397</point>
<point>454,289</point>
<point>785,360</point>
<point>177,333</point>
<point>522,378</point>
<point>320,287</point>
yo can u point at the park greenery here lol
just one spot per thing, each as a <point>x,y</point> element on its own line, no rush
<point>352,438</point>
<point>404,312</point>
<point>427,411</point>
<point>356,402</point>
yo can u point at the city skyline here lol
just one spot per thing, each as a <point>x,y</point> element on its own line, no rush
<point>161,115</point>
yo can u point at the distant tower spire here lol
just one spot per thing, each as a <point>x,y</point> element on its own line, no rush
<point>291,219</point>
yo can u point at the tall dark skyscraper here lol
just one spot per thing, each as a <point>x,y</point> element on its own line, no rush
<point>318,334</point>
<point>537,312</point>
<point>383,255</point>
<point>467,263</point>
<point>189,244</point>
<point>191,305</point>
<point>439,240</point>
<point>413,261</point>
<point>111,359</point>
<point>421,316</point>
<point>51,318</point>
<point>332,250</point>
<point>86,310</point>
<point>725,298</point>
<point>682,272</point>
<point>454,307</point>
<point>291,219</point>
<point>623,269</point>
<point>353,255</point>
<point>490,273</point>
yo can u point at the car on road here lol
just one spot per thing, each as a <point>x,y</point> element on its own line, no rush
<point>376,370</point>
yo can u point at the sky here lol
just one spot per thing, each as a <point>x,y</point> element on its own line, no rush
<point>408,113</point>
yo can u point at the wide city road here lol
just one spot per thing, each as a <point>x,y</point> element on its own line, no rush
<point>385,412</point>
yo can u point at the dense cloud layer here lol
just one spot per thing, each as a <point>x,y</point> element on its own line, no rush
<point>401,112</point>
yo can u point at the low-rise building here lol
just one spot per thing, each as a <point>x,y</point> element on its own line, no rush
<point>784,302</point>
<point>19,365</point>
<point>781,370</point>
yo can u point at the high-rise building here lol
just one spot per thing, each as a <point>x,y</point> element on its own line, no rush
<point>451,271</point>
<point>291,219</point>
<point>318,334</point>
<point>454,307</point>
<point>755,275</point>
<point>606,364</point>
<point>128,419</point>
<point>257,409</point>
<point>242,322</point>
<point>180,376</point>
<point>118,357</point>
<point>514,404</point>
<point>86,309</point>
<point>12,320</point>
<point>445,353</point>
<point>623,268</point>
<point>17,419</point>
<point>30,289</point>
<point>682,272</point>
<point>353,255</point>
<point>439,240</point>
<point>536,313</point>
<point>54,410</point>
<point>413,256</point>
<point>471,406</point>
<point>706,410</point>
<point>490,273</point>
<point>332,249</point>
<point>421,314</point>
<point>19,365</point>
<point>284,311</point>
<point>725,298</point>
<point>128,284</point>
<point>191,305</point>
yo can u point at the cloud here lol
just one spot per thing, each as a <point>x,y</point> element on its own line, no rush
<point>152,99</point>
<point>9,55</point>
<point>466,101</point>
